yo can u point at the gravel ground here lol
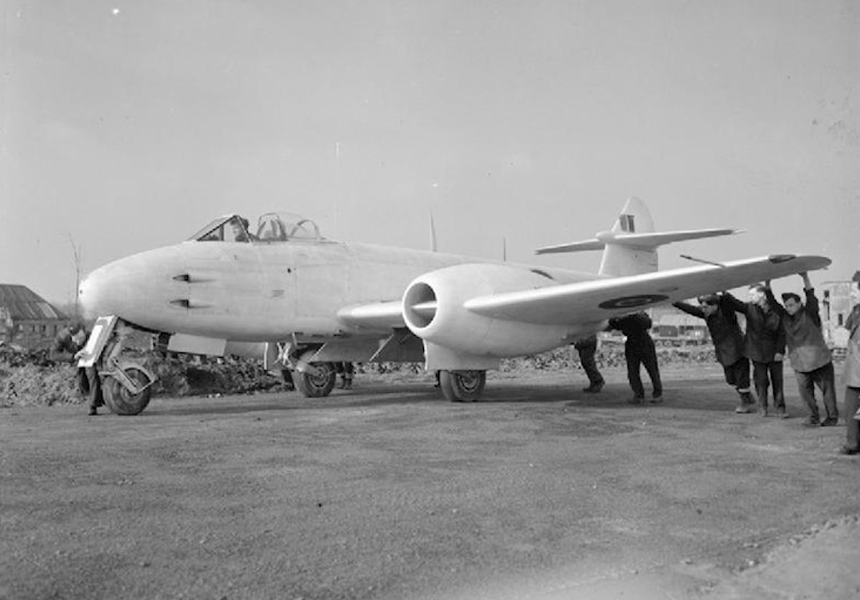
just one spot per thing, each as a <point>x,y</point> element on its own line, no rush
<point>387,491</point>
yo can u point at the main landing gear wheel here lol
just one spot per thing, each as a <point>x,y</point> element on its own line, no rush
<point>317,384</point>
<point>120,400</point>
<point>462,386</point>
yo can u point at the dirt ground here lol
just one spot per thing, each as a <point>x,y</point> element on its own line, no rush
<point>390,492</point>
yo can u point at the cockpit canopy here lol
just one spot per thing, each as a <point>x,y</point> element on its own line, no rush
<point>271,227</point>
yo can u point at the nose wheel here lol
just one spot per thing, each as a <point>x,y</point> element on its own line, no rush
<point>127,390</point>
<point>462,386</point>
<point>126,384</point>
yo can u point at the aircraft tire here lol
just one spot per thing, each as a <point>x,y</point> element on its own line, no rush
<point>122,402</point>
<point>462,386</point>
<point>318,386</point>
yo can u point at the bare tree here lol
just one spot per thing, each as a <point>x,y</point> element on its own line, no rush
<point>76,254</point>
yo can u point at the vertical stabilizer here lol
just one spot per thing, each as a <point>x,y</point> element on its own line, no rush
<point>624,259</point>
<point>630,247</point>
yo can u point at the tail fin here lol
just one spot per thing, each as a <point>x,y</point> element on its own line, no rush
<point>630,247</point>
<point>621,258</point>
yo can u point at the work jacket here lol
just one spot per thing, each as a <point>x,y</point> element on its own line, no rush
<point>807,349</point>
<point>635,327</point>
<point>724,329</point>
<point>851,375</point>
<point>765,335</point>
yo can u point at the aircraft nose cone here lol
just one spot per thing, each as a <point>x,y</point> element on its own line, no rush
<point>93,294</point>
<point>137,288</point>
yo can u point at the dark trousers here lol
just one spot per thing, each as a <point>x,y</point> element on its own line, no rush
<point>90,386</point>
<point>346,369</point>
<point>822,377</point>
<point>852,403</point>
<point>589,365</point>
<point>642,354</point>
<point>765,374</point>
<point>738,375</point>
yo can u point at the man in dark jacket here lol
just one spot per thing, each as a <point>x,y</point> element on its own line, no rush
<point>765,344</point>
<point>639,350</point>
<point>719,315</point>
<point>810,357</point>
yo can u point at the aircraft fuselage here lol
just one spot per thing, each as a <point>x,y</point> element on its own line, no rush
<point>257,292</point>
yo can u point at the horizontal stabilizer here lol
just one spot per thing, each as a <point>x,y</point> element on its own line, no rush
<point>593,244</point>
<point>661,238</point>
<point>636,240</point>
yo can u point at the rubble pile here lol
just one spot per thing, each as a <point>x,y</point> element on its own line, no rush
<point>34,378</point>
<point>34,384</point>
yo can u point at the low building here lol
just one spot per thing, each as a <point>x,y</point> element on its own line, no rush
<point>838,298</point>
<point>26,319</point>
<point>671,327</point>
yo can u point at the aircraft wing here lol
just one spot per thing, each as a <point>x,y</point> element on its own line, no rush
<point>380,316</point>
<point>596,300</point>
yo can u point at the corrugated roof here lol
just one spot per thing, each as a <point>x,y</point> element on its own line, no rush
<point>24,304</point>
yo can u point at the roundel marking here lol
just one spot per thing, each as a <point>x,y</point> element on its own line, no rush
<point>632,301</point>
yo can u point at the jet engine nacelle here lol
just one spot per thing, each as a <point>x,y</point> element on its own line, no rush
<point>433,310</point>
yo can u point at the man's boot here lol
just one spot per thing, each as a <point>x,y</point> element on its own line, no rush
<point>594,388</point>
<point>747,404</point>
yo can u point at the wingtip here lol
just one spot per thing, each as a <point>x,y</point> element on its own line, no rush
<point>811,263</point>
<point>781,258</point>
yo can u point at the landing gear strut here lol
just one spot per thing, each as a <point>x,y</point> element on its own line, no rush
<point>313,379</point>
<point>317,381</point>
<point>462,386</point>
<point>126,384</point>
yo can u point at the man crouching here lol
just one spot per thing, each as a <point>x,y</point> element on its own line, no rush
<point>72,340</point>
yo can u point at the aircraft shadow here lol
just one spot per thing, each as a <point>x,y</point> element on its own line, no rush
<point>292,401</point>
<point>679,395</point>
<point>676,398</point>
<point>706,395</point>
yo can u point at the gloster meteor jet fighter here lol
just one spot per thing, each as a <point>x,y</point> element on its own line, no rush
<point>303,302</point>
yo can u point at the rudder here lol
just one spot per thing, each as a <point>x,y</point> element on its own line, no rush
<point>623,259</point>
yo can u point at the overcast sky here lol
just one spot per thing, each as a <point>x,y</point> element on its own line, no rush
<point>127,125</point>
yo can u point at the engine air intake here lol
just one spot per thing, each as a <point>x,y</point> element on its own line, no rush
<point>419,305</point>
